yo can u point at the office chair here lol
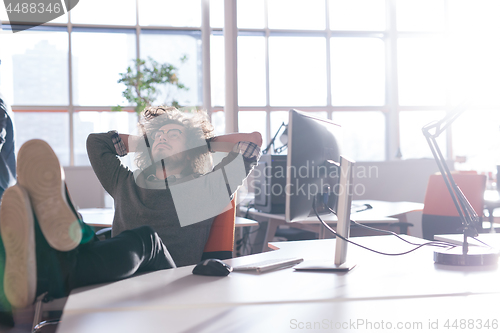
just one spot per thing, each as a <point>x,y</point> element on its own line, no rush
<point>220,243</point>
<point>440,215</point>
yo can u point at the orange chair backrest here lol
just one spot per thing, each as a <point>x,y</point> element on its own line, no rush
<point>221,237</point>
<point>438,200</point>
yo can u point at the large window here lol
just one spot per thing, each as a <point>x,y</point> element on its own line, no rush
<point>328,58</point>
<point>34,68</point>
<point>380,68</point>
<point>61,77</point>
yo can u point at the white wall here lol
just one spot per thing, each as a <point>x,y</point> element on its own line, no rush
<point>400,180</point>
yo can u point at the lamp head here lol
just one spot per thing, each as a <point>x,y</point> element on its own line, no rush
<point>284,136</point>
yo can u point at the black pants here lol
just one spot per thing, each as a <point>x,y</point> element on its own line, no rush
<point>132,251</point>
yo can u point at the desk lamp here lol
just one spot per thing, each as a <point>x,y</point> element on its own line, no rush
<point>462,255</point>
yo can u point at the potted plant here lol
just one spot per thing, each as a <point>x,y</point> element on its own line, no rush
<point>144,81</point>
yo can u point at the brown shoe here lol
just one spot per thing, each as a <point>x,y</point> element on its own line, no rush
<point>39,172</point>
<point>18,236</point>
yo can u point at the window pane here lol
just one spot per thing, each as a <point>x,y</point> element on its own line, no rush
<point>52,127</point>
<point>172,13</point>
<point>297,71</point>
<point>168,48</point>
<point>217,70</point>
<point>467,16</point>
<point>412,141</point>
<point>358,71</point>
<point>476,135</point>
<point>296,14</point>
<point>251,121</point>
<point>420,15</point>
<point>98,58</point>
<point>250,14</point>
<point>251,71</point>
<point>219,122</point>
<point>364,134</point>
<point>421,71</point>
<point>475,68</point>
<point>112,12</point>
<point>346,15</point>
<point>34,68</point>
<point>217,13</point>
<point>87,122</point>
<point>3,14</point>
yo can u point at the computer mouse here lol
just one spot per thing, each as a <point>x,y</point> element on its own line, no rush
<point>212,267</point>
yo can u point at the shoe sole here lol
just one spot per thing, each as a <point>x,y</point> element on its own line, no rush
<point>18,234</point>
<point>39,172</point>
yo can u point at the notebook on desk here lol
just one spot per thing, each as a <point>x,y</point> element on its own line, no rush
<point>323,266</point>
<point>268,265</point>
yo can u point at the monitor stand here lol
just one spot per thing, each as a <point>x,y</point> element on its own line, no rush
<point>345,191</point>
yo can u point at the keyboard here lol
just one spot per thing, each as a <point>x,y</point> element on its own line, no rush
<point>267,265</point>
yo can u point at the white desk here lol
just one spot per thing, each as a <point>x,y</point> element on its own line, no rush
<point>406,289</point>
<point>383,213</point>
<point>98,217</point>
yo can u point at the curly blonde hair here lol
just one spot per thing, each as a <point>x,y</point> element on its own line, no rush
<point>197,128</point>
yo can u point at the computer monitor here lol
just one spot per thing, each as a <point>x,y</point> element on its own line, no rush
<point>316,172</point>
<point>312,164</point>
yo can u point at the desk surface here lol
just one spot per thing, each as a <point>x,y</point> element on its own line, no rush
<point>98,217</point>
<point>406,289</point>
<point>492,239</point>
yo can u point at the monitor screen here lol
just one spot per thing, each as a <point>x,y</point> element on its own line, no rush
<point>313,165</point>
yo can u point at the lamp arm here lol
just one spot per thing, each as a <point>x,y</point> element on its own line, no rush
<point>280,149</point>
<point>441,125</point>
<point>465,210</point>
<point>446,173</point>
<point>271,143</point>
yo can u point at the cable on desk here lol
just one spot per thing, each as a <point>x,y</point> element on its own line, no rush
<point>480,241</point>
<point>437,243</point>
<point>432,243</point>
